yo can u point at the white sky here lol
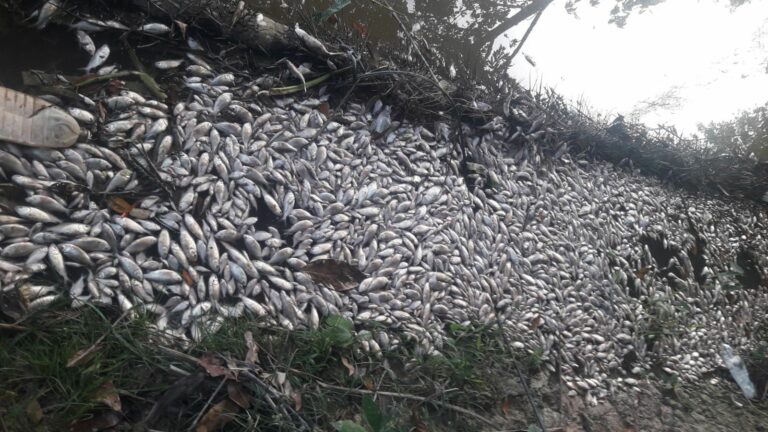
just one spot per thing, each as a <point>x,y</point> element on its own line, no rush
<point>716,58</point>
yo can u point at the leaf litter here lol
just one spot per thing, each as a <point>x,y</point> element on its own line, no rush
<point>217,416</point>
<point>215,366</point>
<point>334,273</point>
<point>107,394</point>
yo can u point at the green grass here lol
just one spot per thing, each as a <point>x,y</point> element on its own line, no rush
<point>33,365</point>
<point>468,373</point>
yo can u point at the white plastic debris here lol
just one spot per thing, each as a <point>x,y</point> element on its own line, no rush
<point>738,371</point>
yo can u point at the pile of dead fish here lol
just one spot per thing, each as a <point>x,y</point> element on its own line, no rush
<point>600,271</point>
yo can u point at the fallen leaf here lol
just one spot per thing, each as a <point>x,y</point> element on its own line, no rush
<point>419,426</point>
<point>114,87</point>
<point>348,365</point>
<point>107,394</point>
<point>505,406</point>
<point>232,366</point>
<point>296,396</point>
<point>215,366</point>
<point>324,108</point>
<point>99,422</point>
<point>119,205</point>
<point>252,356</point>
<point>418,423</point>
<point>187,278</point>
<point>217,416</point>
<point>34,411</point>
<point>642,272</point>
<point>536,322</point>
<point>236,394</point>
<point>368,382</point>
<point>337,274</point>
<point>361,28</point>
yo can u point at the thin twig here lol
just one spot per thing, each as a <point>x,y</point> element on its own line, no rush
<point>283,406</point>
<point>12,327</point>
<point>208,403</point>
<point>409,396</point>
<point>525,36</point>
<point>413,42</point>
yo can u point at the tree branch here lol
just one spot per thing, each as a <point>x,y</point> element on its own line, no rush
<point>536,6</point>
<point>525,36</point>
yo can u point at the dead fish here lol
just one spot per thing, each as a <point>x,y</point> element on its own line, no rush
<point>106,70</point>
<point>165,277</point>
<point>57,261</point>
<point>36,215</point>
<point>20,250</point>
<point>81,115</point>
<point>312,43</point>
<point>46,12</point>
<point>85,42</point>
<point>222,102</point>
<point>98,58</point>
<point>225,79</point>
<point>382,121</point>
<point>168,64</point>
<point>154,28</point>
<point>193,44</point>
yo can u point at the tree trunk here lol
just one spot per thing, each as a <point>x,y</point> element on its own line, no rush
<point>252,29</point>
<point>527,11</point>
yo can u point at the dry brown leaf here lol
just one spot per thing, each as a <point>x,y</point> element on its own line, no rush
<point>296,396</point>
<point>237,395</point>
<point>34,412</point>
<point>536,322</point>
<point>324,108</point>
<point>505,406</point>
<point>334,273</point>
<point>252,356</point>
<point>420,426</point>
<point>99,422</point>
<point>215,366</point>
<point>217,416</point>
<point>350,367</point>
<point>107,394</point>
<point>368,382</point>
<point>418,423</point>
<point>232,365</point>
<point>642,272</point>
<point>187,278</point>
<point>119,205</point>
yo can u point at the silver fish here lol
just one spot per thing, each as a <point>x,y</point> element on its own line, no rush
<point>85,42</point>
<point>98,58</point>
